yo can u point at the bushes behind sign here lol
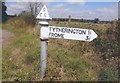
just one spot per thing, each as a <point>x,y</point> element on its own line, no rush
<point>28,18</point>
<point>23,20</point>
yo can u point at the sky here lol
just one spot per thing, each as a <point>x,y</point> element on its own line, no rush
<point>87,10</point>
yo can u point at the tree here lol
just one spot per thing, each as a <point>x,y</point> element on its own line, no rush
<point>96,20</point>
<point>4,14</point>
<point>35,7</point>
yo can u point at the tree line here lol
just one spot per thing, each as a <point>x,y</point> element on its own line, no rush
<point>96,20</point>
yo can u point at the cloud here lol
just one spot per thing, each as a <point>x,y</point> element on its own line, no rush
<point>28,0</point>
<point>105,10</point>
<point>106,13</point>
<point>59,12</point>
<point>81,2</point>
<point>59,5</point>
<point>85,14</point>
<point>16,7</point>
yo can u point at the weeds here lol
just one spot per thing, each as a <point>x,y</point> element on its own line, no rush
<point>75,59</point>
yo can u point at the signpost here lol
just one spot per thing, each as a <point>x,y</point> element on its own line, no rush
<point>43,16</point>
<point>58,32</point>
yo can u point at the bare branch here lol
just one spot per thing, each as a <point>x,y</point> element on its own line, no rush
<point>35,7</point>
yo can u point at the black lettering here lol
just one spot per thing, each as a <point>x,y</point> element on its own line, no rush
<point>82,32</point>
<point>62,35</point>
<point>77,31</point>
<point>51,34</point>
<point>63,30</point>
<point>57,30</point>
<point>43,9</point>
<point>74,31</point>
<point>50,28</point>
<point>40,14</point>
<point>56,35</point>
<point>53,29</point>
<point>70,30</point>
<point>89,32</point>
<point>87,38</point>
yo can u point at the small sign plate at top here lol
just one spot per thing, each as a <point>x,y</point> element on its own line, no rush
<point>43,13</point>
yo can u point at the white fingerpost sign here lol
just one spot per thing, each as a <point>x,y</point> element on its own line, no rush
<point>71,33</point>
<point>58,32</point>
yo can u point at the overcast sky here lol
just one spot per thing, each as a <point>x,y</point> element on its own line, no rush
<point>85,10</point>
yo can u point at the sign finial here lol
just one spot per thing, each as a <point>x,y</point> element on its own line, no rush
<point>43,14</point>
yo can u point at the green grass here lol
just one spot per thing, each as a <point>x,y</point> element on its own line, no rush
<point>20,53</point>
<point>75,59</point>
<point>70,57</point>
<point>109,74</point>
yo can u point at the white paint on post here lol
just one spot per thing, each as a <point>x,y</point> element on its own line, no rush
<point>43,16</point>
<point>44,32</point>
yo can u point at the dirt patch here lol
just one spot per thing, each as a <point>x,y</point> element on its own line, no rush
<point>6,35</point>
<point>16,55</point>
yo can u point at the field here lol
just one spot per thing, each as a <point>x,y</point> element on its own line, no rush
<point>67,60</point>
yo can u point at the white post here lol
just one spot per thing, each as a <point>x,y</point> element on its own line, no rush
<point>43,49</point>
<point>43,57</point>
<point>43,16</point>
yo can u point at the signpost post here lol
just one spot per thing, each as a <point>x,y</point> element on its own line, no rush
<point>44,17</point>
<point>47,32</point>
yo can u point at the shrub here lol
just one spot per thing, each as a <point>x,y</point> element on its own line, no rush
<point>29,19</point>
<point>109,74</point>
